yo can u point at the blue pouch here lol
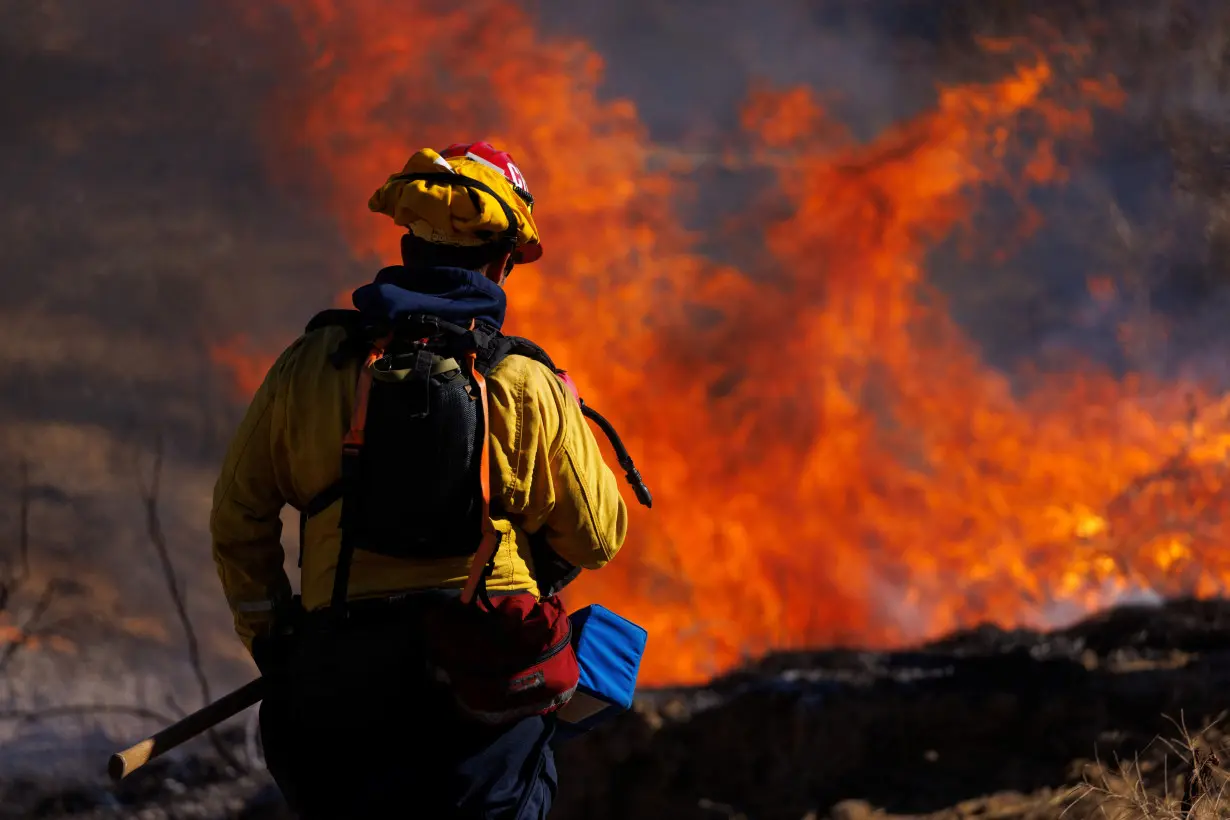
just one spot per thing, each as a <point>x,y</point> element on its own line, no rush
<point>608,650</point>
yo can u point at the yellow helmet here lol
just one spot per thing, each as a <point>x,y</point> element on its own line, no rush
<point>466,196</point>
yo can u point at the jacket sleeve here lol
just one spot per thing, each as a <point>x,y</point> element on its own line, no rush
<point>550,470</point>
<point>245,522</point>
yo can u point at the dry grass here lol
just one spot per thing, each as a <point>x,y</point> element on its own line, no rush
<point>1180,779</point>
<point>1185,778</point>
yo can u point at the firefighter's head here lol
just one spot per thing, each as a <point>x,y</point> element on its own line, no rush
<point>466,206</point>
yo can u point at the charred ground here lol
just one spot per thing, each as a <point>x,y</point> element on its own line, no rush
<point>1010,724</point>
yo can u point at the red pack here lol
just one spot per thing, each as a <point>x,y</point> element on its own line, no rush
<point>504,657</point>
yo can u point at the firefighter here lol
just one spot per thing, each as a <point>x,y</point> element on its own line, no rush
<point>358,721</point>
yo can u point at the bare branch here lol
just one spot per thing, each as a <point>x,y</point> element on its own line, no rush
<point>26,630</point>
<point>23,536</point>
<point>153,524</point>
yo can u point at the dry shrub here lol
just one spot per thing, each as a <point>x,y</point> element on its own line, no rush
<point>1182,779</point>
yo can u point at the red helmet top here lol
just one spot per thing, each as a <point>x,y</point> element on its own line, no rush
<point>502,161</point>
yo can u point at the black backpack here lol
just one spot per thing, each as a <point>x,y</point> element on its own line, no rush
<point>413,462</point>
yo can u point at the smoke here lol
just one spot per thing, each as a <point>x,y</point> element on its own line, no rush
<point>138,227</point>
<point>689,65</point>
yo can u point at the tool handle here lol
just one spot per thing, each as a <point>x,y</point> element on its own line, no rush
<point>134,757</point>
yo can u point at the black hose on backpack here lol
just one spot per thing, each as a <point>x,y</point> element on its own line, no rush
<point>621,453</point>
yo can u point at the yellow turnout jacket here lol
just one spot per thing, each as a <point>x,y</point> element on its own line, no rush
<point>547,473</point>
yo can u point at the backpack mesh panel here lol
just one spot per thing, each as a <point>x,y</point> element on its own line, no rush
<point>416,493</point>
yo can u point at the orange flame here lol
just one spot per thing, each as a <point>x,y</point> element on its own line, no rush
<point>246,366</point>
<point>832,461</point>
<point>12,634</point>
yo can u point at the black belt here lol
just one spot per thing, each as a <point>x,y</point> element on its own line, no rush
<point>384,608</point>
<point>400,605</point>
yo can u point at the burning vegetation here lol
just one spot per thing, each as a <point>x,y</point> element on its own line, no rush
<point>836,461</point>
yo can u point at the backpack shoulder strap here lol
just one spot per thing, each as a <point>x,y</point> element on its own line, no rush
<point>501,347</point>
<point>358,338</point>
<point>519,346</point>
<point>354,347</point>
<point>347,318</point>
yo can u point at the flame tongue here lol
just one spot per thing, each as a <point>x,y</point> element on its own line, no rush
<point>833,462</point>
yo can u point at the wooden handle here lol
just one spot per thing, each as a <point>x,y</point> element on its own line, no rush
<point>134,757</point>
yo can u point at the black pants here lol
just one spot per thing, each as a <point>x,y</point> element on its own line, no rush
<point>354,728</point>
